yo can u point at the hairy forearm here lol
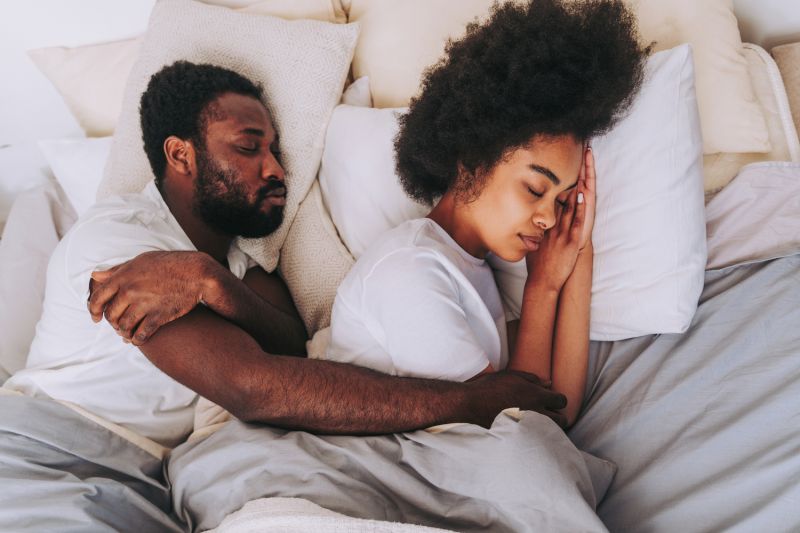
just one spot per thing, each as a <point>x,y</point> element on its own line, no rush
<point>276,328</point>
<point>571,343</point>
<point>533,348</point>
<point>226,365</point>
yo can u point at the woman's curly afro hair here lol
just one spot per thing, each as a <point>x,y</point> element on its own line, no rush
<point>176,103</point>
<point>545,68</point>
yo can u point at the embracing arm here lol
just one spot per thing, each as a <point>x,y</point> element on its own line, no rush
<point>223,363</point>
<point>142,295</point>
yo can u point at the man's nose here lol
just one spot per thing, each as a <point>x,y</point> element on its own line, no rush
<point>271,168</point>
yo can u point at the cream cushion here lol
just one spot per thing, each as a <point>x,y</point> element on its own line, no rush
<point>400,39</point>
<point>301,64</point>
<point>719,169</point>
<point>92,78</point>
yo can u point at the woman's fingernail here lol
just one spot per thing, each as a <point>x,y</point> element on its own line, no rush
<point>580,197</point>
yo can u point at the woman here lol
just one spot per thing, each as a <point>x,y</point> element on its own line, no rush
<point>499,136</point>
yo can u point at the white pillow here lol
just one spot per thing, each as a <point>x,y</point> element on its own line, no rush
<point>649,235</point>
<point>38,220</point>
<point>302,66</point>
<point>78,167</point>
<point>357,176</point>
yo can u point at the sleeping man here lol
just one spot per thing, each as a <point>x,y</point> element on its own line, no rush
<point>193,315</point>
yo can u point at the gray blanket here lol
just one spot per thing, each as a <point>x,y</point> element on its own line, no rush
<point>705,426</point>
<point>517,476</point>
<point>62,472</point>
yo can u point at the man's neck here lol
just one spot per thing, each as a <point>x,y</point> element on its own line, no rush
<point>204,237</point>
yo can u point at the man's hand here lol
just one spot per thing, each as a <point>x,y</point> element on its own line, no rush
<point>155,288</point>
<point>500,390</point>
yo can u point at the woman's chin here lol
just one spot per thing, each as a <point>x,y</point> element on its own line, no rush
<point>511,256</point>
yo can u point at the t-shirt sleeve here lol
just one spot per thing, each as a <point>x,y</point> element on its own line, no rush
<point>104,242</point>
<point>414,312</point>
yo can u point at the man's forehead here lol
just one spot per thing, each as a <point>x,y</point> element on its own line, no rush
<point>239,113</point>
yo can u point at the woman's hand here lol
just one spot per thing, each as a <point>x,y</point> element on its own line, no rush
<point>587,185</point>
<point>554,261</point>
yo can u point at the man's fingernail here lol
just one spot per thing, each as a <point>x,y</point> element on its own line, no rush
<point>580,197</point>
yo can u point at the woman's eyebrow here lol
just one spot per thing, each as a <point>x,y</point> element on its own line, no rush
<point>546,172</point>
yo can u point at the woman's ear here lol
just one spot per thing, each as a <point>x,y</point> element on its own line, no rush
<point>180,155</point>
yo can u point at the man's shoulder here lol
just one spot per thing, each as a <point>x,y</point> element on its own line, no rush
<point>123,221</point>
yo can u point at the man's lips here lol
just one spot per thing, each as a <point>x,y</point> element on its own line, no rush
<point>531,243</point>
<point>276,196</point>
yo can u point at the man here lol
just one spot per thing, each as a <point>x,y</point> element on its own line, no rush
<point>215,155</point>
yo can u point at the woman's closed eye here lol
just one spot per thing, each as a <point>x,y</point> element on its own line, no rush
<point>536,194</point>
<point>562,203</point>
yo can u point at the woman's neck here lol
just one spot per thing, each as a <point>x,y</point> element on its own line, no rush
<point>455,218</point>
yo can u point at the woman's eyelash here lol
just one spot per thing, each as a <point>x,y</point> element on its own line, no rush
<point>536,194</point>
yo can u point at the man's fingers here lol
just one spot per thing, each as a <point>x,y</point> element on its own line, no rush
<point>146,328</point>
<point>101,294</point>
<point>557,417</point>
<point>128,321</point>
<point>555,401</point>
<point>103,275</point>
<point>114,311</point>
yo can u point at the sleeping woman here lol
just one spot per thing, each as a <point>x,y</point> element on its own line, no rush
<point>498,140</point>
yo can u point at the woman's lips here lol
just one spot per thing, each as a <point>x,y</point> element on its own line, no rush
<point>531,243</point>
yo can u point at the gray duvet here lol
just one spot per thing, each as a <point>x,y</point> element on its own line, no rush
<point>62,472</point>
<point>704,428</point>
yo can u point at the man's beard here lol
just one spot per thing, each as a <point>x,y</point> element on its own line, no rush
<point>220,199</point>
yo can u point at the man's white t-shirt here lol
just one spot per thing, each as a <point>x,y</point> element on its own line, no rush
<point>73,359</point>
<point>417,304</point>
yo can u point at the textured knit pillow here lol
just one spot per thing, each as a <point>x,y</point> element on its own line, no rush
<point>92,78</point>
<point>399,39</point>
<point>301,64</point>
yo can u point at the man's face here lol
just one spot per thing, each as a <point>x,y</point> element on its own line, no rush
<point>240,187</point>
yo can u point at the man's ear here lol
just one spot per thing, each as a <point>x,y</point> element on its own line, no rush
<point>180,155</point>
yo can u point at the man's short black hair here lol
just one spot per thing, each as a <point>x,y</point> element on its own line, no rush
<point>176,103</point>
<point>548,67</point>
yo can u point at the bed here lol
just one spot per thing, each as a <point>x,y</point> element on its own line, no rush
<point>694,430</point>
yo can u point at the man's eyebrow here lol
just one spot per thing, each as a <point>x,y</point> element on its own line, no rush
<point>545,171</point>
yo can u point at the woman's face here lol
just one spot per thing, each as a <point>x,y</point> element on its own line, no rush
<point>520,197</point>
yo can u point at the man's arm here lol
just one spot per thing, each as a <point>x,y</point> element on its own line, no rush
<point>223,363</point>
<point>151,290</point>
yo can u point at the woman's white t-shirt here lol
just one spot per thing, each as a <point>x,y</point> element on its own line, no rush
<point>417,304</point>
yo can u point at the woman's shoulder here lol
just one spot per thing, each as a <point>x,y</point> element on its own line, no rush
<point>410,245</point>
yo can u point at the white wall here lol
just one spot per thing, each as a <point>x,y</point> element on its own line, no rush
<point>30,107</point>
<point>768,23</point>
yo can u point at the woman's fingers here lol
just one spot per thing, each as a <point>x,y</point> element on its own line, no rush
<point>580,213</point>
<point>568,213</point>
<point>591,176</point>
